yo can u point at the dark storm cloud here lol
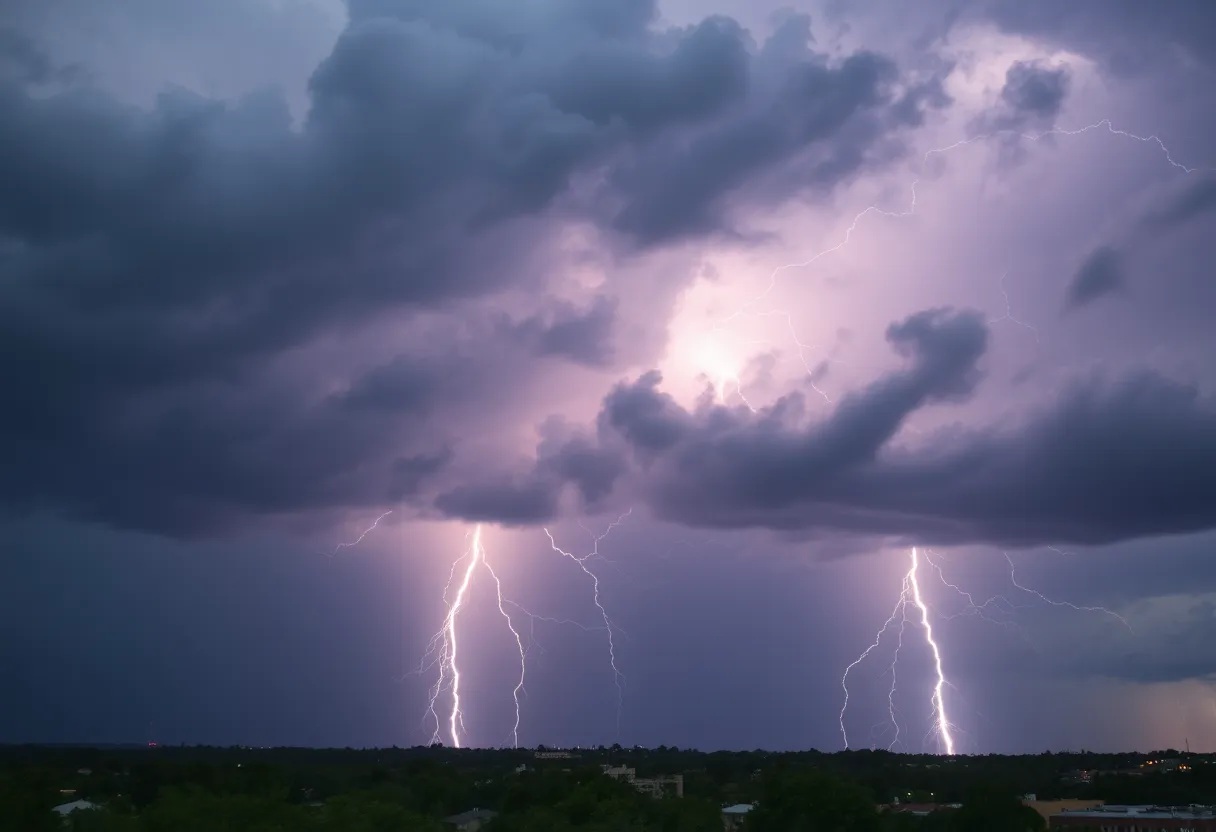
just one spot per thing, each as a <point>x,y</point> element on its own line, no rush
<point>1034,90</point>
<point>583,336</point>
<point>1126,35</point>
<point>1101,274</point>
<point>1197,200</point>
<point>21,60</point>
<point>506,502</point>
<point>1031,98</point>
<point>565,457</point>
<point>1112,459</point>
<point>829,119</point>
<point>156,263</point>
<point>193,460</point>
<point>1104,273</point>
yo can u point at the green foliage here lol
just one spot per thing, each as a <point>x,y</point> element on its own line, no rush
<point>813,801</point>
<point>267,790</point>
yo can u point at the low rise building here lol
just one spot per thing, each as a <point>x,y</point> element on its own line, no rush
<point>918,809</point>
<point>66,809</point>
<point>1137,819</point>
<point>653,786</point>
<point>471,820</point>
<point>1048,808</point>
<point>733,816</point>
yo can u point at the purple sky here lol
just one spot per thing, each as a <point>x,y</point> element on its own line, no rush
<point>798,288</point>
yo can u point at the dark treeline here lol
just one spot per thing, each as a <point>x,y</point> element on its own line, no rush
<point>199,789</point>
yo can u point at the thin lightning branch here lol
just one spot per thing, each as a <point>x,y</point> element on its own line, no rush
<point>999,603</point>
<point>1013,579</point>
<point>587,628</point>
<point>618,678</point>
<point>1008,316</point>
<point>359,539</point>
<point>899,644</point>
<point>523,662</point>
<point>844,679</point>
<point>911,210</point>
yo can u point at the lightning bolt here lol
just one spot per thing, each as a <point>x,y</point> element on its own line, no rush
<point>443,649</point>
<point>910,594</point>
<point>941,723</point>
<point>618,678</point>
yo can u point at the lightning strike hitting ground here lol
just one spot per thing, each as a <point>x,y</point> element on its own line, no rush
<point>618,678</point>
<point>442,650</point>
<point>910,593</point>
<point>941,723</point>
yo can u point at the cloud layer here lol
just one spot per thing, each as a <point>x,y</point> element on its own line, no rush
<point>176,279</point>
<point>160,265</point>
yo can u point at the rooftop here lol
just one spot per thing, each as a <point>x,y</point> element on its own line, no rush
<point>470,816</point>
<point>1148,812</point>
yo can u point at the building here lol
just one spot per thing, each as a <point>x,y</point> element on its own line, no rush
<point>920,810</point>
<point>653,786</point>
<point>66,809</point>
<point>733,816</point>
<point>1137,819</point>
<point>658,786</point>
<point>553,755</point>
<point>471,820</point>
<point>1048,808</point>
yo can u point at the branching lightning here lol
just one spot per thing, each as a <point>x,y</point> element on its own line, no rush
<point>909,594</point>
<point>443,649</point>
<point>618,678</point>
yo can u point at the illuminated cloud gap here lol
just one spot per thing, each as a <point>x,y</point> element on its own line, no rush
<point>746,308</point>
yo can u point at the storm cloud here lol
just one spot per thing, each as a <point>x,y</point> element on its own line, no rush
<point>157,262</point>
<point>1101,274</point>
<point>1114,458</point>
